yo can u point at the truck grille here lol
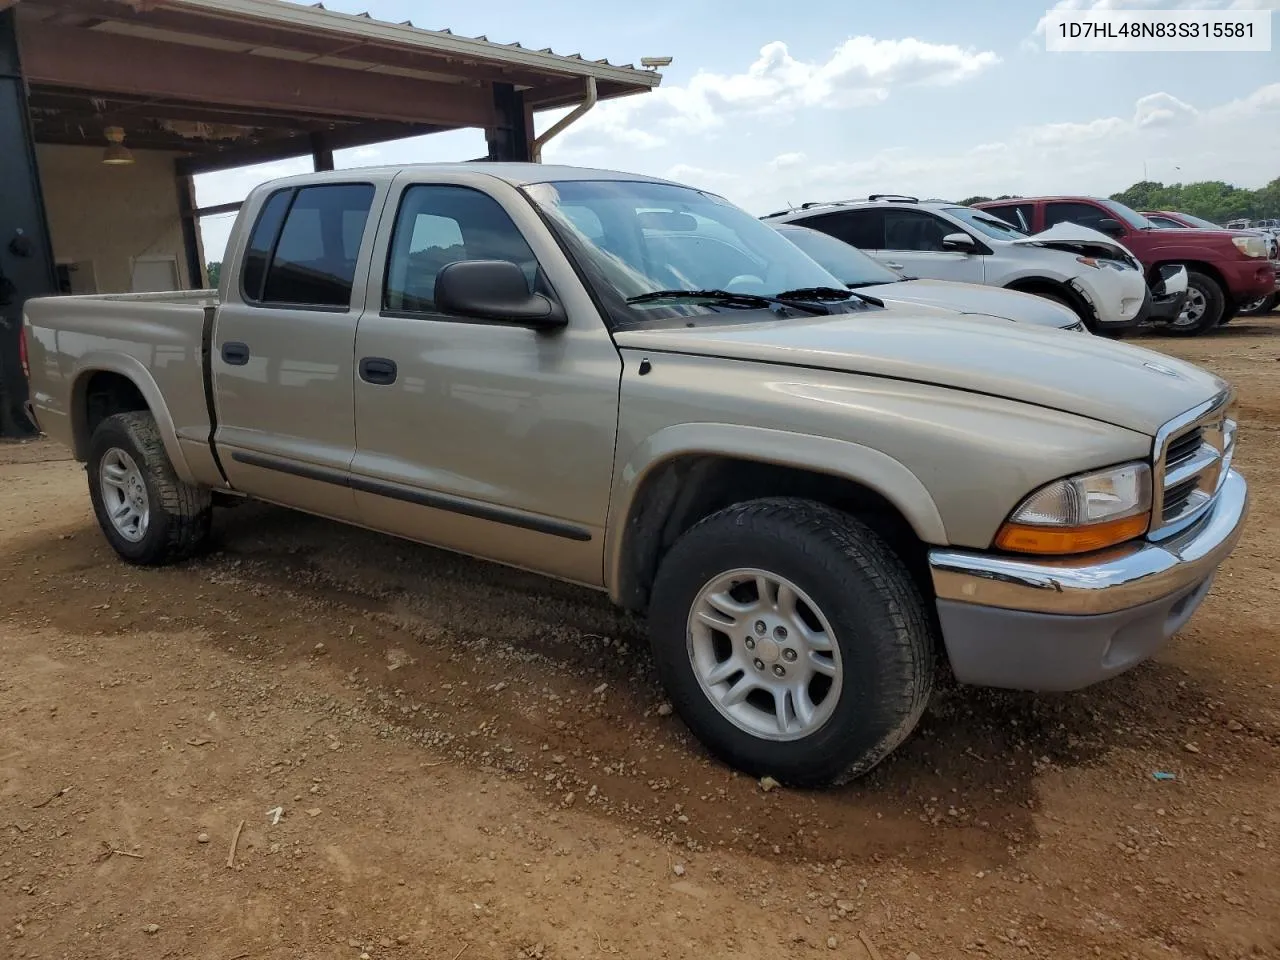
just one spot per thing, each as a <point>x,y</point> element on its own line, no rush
<point>1192,456</point>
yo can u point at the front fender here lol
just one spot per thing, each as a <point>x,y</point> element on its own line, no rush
<point>841,458</point>
<point>134,370</point>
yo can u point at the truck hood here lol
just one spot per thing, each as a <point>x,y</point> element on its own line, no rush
<point>975,298</point>
<point>1091,377</point>
<point>1074,238</point>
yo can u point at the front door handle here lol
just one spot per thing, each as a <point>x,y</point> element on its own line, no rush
<point>378,370</point>
<point>235,353</point>
<point>893,266</point>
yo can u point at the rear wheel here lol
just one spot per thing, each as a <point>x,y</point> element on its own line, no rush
<point>1204,308</point>
<point>792,641</point>
<point>147,514</point>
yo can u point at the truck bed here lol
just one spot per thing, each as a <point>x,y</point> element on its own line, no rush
<point>159,341</point>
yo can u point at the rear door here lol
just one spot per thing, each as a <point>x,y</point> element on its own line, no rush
<point>283,341</point>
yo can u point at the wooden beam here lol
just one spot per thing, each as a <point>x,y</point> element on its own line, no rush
<point>286,148</point>
<point>113,63</point>
<point>255,33</point>
<point>214,210</point>
<point>77,106</point>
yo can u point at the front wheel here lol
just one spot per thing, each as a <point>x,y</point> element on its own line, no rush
<point>1204,308</point>
<point>792,641</point>
<point>148,515</point>
<point>1261,305</point>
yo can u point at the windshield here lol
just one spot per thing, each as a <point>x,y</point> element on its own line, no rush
<point>986,223</point>
<point>849,264</point>
<point>1199,221</point>
<point>635,237</point>
<point>1125,215</point>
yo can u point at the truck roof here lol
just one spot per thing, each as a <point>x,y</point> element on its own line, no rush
<point>516,174</point>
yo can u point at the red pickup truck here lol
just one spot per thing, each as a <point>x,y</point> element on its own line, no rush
<point>1225,268</point>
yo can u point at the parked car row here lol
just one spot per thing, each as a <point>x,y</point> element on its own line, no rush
<point>815,484</point>
<point>1108,264</point>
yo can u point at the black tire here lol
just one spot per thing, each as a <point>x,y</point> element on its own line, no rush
<point>179,515</point>
<point>1215,306</point>
<point>1263,306</point>
<point>877,617</point>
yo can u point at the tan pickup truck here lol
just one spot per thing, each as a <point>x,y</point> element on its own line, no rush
<point>637,386</point>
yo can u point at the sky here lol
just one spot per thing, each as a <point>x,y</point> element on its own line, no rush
<point>771,107</point>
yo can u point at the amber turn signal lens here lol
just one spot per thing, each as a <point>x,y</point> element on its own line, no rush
<point>1029,538</point>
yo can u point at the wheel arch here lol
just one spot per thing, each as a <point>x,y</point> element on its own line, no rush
<point>110,384</point>
<point>1200,266</point>
<point>686,472</point>
<point>1039,284</point>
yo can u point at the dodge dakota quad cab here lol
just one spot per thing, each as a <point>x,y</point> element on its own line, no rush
<point>810,495</point>
<point>1225,268</point>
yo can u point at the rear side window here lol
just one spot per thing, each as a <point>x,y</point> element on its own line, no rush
<point>858,228</point>
<point>311,258</point>
<point>261,241</point>
<point>438,225</point>
<point>1081,214</point>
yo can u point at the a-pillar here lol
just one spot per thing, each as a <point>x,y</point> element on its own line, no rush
<point>26,258</point>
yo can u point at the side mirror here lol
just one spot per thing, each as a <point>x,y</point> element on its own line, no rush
<point>1111,227</point>
<point>494,290</point>
<point>957,241</point>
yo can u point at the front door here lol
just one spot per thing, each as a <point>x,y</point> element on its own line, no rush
<point>913,245</point>
<point>493,439</point>
<point>282,348</point>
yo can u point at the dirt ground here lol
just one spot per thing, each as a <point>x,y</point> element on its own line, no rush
<point>435,758</point>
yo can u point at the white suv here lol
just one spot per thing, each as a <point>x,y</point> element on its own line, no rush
<point>1082,269</point>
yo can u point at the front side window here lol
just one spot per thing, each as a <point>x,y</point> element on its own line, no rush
<point>438,225</point>
<point>914,230</point>
<point>315,256</point>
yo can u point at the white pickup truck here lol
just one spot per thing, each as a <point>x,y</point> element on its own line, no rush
<point>812,493</point>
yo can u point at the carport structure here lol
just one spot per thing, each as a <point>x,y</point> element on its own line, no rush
<point>193,86</point>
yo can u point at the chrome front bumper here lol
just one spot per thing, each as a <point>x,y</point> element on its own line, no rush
<point>1099,584</point>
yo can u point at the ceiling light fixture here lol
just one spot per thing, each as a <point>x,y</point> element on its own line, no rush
<point>116,154</point>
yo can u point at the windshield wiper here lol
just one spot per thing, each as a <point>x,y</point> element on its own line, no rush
<point>829,293</point>
<point>727,297</point>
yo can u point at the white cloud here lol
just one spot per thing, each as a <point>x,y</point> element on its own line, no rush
<point>1163,110</point>
<point>860,72</point>
<point>1163,137</point>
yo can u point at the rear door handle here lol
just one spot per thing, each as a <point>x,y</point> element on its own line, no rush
<point>378,370</point>
<point>893,266</point>
<point>235,353</point>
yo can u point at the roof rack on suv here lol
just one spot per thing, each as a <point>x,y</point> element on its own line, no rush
<point>901,198</point>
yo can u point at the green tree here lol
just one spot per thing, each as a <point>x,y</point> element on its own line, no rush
<point>214,270</point>
<point>1214,200</point>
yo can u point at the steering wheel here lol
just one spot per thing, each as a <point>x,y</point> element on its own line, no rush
<point>744,279</point>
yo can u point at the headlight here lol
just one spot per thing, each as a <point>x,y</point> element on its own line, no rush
<point>1251,246</point>
<point>1090,511</point>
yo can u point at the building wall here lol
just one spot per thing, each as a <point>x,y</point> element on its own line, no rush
<point>110,216</point>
